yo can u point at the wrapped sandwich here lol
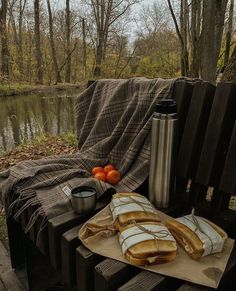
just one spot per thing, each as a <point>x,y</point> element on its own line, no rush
<point>147,243</point>
<point>127,208</point>
<point>143,238</point>
<point>198,236</point>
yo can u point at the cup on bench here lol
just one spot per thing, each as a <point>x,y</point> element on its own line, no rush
<point>83,199</point>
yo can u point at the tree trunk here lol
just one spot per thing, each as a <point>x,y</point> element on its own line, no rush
<point>20,42</point>
<point>182,38</point>
<point>4,41</point>
<point>184,34</point>
<point>211,36</point>
<point>53,50</point>
<point>13,23</point>
<point>68,42</point>
<point>195,30</point>
<point>229,73</point>
<point>84,49</point>
<point>38,54</point>
<point>229,32</point>
<point>99,49</point>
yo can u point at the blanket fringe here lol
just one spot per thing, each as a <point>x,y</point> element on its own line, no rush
<point>27,199</point>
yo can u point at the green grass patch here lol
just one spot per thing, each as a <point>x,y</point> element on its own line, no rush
<point>14,89</point>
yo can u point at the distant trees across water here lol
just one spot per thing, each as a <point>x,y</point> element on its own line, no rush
<point>50,41</point>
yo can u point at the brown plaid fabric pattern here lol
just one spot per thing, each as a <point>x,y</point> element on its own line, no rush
<point>113,126</point>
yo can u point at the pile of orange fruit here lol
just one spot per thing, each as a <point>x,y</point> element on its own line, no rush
<point>107,174</point>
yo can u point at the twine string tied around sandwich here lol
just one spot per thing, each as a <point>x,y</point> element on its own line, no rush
<point>141,204</point>
<point>160,234</point>
<point>198,228</point>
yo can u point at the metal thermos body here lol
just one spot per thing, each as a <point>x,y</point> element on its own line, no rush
<point>163,153</point>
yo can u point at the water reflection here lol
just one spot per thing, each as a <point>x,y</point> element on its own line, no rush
<point>24,117</point>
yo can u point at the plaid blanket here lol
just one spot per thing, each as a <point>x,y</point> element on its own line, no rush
<point>113,126</point>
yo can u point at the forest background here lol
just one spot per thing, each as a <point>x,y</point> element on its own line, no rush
<point>54,41</point>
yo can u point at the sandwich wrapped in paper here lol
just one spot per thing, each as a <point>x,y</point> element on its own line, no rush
<point>147,243</point>
<point>143,238</point>
<point>198,236</point>
<point>127,208</point>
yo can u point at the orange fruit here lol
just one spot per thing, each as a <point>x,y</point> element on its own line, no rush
<point>113,177</point>
<point>100,176</point>
<point>96,170</point>
<point>108,168</point>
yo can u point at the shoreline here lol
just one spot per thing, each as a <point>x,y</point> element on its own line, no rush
<point>25,89</point>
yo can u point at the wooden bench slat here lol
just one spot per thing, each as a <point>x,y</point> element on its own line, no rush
<point>217,137</point>
<point>111,274</point>
<point>69,242</point>
<point>182,93</point>
<point>60,224</point>
<point>148,281</point>
<point>227,188</point>
<point>85,263</point>
<point>194,287</point>
<point>227,220</point>
<point>194,130</point>
<point>228,179</point>
<point>56,227</point>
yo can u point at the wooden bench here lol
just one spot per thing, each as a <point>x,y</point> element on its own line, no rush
<point>206,180</point>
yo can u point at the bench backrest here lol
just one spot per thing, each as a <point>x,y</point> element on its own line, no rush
<point>207,149</point>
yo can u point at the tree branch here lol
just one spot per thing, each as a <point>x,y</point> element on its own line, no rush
<point>175,22</point>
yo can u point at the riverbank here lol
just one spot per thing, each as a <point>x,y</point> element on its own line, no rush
<point>37,148</point>
<point>24,89</point>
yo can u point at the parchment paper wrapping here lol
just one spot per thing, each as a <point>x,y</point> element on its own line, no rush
<point>206,271</point>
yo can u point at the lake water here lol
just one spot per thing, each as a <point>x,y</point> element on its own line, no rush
<point>24,117</point>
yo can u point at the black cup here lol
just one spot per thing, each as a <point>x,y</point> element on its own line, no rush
<point>83,199</point>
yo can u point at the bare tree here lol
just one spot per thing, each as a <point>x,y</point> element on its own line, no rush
<point>157,45</point>
<point>68,41</point>
<point>38,54</point>
<point>53,50</point>
<point>105,14</point>
<point>4,41</point>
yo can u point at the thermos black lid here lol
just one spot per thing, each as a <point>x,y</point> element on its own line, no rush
<point>166,106</point>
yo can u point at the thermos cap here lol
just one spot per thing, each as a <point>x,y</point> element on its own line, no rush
<point>166,106</point>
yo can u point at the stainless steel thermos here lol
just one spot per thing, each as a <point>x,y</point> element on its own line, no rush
<point>163,153</point>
